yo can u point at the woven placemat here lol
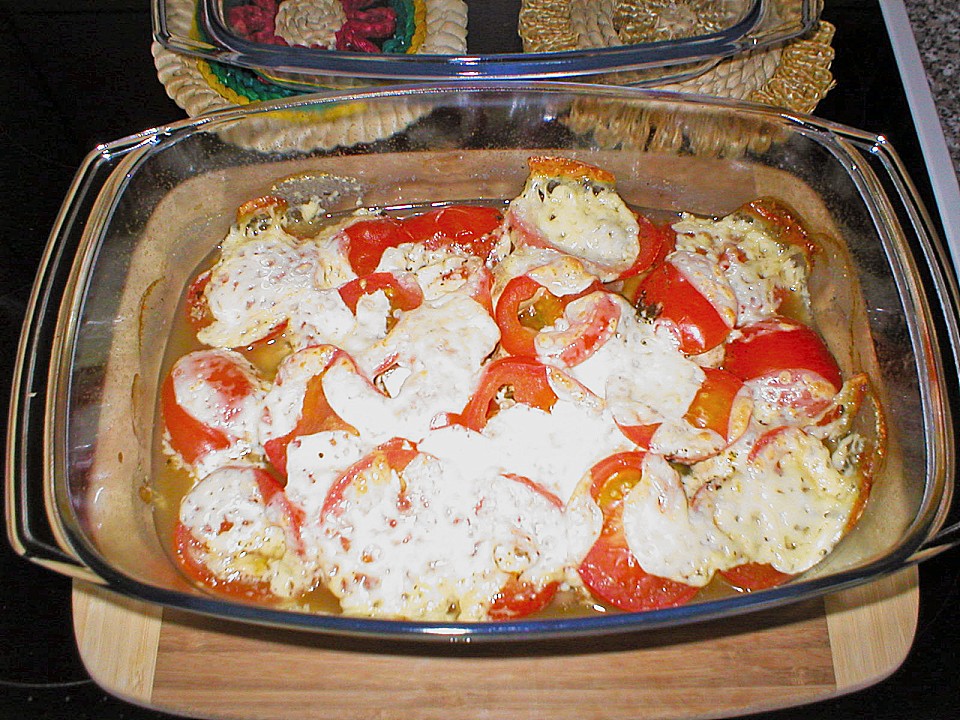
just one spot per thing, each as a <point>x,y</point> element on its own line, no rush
<point>201,86</point>
<point>795,75</point>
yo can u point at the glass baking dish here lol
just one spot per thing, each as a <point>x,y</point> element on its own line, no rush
<point>144,211</point>
<point>492,46</point>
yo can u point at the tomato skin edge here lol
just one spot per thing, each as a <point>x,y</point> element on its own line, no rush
<point>189,437</point>
<point>699,325</point>
<point>526,376</point>
<point>779,344</point>
<point>518,599</point>
<point>750,577</point>
<point>610,570</point>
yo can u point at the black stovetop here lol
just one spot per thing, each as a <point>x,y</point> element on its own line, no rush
<point>77,73</point>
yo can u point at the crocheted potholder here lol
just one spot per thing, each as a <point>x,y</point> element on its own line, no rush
<point>200,86</point>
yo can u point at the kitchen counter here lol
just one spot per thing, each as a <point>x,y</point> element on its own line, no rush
<point>936,27</point>
<point>79,72</point>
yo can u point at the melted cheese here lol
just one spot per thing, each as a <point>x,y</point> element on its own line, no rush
<point>787,505</point>
<point>431,543</point>
<point>588,221</point>
<point>670,536</point>
<point>440,349</point>
<point>755,265</point>
<point>244,537</point>
<point>473,510</point>
<point>641,373</point>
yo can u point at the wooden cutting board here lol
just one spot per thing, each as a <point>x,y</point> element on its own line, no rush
<point>189,665</point>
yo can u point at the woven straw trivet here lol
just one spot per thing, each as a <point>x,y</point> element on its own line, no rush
<point>200,86</point>
<point>795,76</point>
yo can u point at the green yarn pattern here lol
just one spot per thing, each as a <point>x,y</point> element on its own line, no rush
<point>249,84</point>
<point>406,26</point>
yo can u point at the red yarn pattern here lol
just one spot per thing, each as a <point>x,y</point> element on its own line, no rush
<point>367,20</point>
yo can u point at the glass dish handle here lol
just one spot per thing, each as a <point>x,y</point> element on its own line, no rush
<point>30,530</point>
<point>946,527</point>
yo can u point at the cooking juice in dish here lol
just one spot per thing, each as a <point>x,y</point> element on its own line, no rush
<point>466,412</point>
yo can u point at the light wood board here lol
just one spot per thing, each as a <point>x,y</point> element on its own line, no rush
<point>199,667</point>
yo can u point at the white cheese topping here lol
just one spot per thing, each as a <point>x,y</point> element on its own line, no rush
<point>670,536</point>
<point>755,265</point>
<point>440,349</point>
<point>787,505</point>
<point>431,543</point>
<point>588,221</point>
<point>244,537</point>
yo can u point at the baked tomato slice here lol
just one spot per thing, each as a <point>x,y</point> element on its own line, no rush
<point>226,535</point>
<point>754,576</point>
<point>468,229</point>
<point>610,570</point>
<point>787,364</point>
<point>403,294</point>
<point>524,308</point>
<point>656,242</point>
<point>591,320</point>
<point>210,402</point>
<point>777,344</point>
<point>367,239</point>
<point>508,380</point>
<point>721,405</point>
<point>668,295</point>
<point>518,599</point>
<point>304,371</point>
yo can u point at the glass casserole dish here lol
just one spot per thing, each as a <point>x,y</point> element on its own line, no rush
<point>623,43</point>
<point>145,211</point>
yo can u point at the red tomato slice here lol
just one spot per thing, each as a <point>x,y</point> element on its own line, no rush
<point>778,344</point>
<point>394,454</point>
<point>640,435</point>
<point>229,380</point>
<point>524,308</point>
<point>667,292</point>
<point>518,599</point>
<point>403,295</point>
<point>524,380</point>
<point>592,321</point>
<point>190,550</point>
<point>656,242</point>
<point>316,416</point>
<point>610,570</point>
<point>754,576</point>
<point>465,228</point>
<point>784,222</point>
<point>367,240</point>
<point>713,405</point>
